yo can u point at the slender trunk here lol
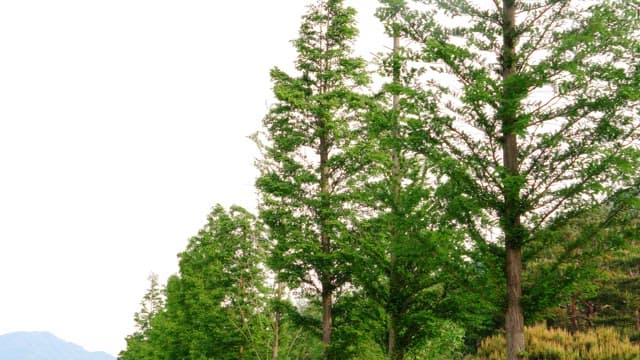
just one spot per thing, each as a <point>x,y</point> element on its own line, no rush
<point>242,319</point>
<point>573,314</point>
<point>637,316</point>
<point>325,242</point>
<point>326,322</point>
<point>276,323</point>
<point>276,336</point>
<point>514,320</point>
<point>392,337</point>
<point>394,352</point>
<point>512,212</point>
<point>592,313</point>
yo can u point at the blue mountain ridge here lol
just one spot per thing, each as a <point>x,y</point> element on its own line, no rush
<point>40,345</point>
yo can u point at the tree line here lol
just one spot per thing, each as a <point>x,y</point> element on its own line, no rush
<point>491,180</point>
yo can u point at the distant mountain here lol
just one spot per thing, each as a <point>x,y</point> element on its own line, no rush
<point>43,346</point>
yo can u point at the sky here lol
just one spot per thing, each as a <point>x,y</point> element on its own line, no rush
<point>122,123</point>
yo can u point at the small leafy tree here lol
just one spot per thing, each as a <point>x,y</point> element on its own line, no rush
<point>219,288</point>
<point>139,345</point>
<point>411,264</point>
<point>216,307</point>
<point>152,303</point>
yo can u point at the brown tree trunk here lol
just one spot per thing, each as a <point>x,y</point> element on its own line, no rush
<point>396,179</point>
<point>393,336</point>
<point>510,215</point>
<point>591,313</point>
<point>276,323</point>
<point>573,314</point>
<point>395,353</point>
<point>276,336</point>
<point>326,322</point>
<point>514,320</point>
<point>325,242</point>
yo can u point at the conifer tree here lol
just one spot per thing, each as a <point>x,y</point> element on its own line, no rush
<point>216,301</point>
<point>310,153</point>
<point>403,250</point>
<point>216,306</point>
<point>538,117</point>
<point>152,303</point>
<point>139,345</point>
<point>410,261</point>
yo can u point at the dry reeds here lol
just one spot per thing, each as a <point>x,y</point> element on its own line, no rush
<point>558,344</point>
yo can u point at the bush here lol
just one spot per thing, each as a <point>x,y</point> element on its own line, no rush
<point>557,344</point>
<point>635,337</point>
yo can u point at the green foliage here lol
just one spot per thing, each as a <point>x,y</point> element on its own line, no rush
<point>576,144</point>
<point>607,297</point>
<point>359,328</point>
<point>407,257</point>
<point>220,286</point>
<point>215,306</point>
<point>582,266</point>
<point>447,343</point>
<point>390,216</point>
<point>152,303</point>
<point>138,343</point>
<point>316,112</point>
<point>311,152</point>
<point>534,121</point>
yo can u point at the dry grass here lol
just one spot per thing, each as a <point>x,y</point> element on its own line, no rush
<point>557,344</point>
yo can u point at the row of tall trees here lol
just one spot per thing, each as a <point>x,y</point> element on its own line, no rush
<point>476,188</point>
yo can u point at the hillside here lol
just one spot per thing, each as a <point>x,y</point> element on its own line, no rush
<point>43,346</point>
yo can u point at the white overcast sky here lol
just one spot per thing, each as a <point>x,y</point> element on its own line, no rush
<point>122,122</point>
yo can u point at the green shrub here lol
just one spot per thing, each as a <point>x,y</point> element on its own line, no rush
<point>634,337</point>
<point>557,344</point>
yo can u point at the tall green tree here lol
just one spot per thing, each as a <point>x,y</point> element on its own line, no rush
<point>223,303</point>
<point>216,307</point>
<point>411,265</point>
<point>310,154</point>
<point>219,289</point>
<point>538,117</point>
<point>408,254</point>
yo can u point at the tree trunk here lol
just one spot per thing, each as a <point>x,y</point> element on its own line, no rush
<point>592,313</point>
<point>392,337</point>
<point>573,314</point>
<point>396,180</point>
<point>276,323</point>
<point>276,336</point>
<point>325,242</point>
<point>326,322</point>
<point>511,213</point>
<point>395,352</point>
<point>242,318</point>
<point>514,320</point>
